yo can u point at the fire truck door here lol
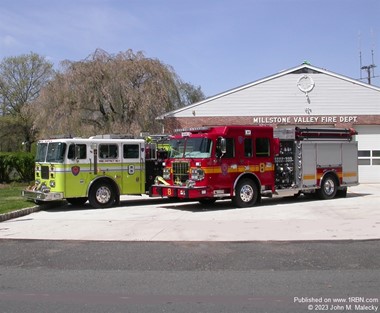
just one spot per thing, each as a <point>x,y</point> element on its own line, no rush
<point>133,169</point>
<point>78,170</point>
<point>228,166</point>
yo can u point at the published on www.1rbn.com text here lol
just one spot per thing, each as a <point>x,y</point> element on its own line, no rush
<point>358,304</point>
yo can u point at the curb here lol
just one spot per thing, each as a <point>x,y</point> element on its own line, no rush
<point>18,213</point>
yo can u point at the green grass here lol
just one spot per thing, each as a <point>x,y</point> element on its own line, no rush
<point>11,199</point>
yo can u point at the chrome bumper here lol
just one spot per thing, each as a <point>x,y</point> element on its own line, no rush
<point>36,195</point>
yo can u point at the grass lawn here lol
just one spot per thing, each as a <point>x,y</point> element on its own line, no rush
<point>11,199</point>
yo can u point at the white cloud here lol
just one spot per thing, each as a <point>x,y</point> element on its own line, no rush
<point>8,41</point>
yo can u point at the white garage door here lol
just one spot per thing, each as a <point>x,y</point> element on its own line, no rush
<point>369,153</point>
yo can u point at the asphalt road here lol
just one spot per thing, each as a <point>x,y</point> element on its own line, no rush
<point>79,276</point>
<point>156,256</point>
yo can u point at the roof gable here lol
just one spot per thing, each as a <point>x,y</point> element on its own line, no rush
<point>301,69</point>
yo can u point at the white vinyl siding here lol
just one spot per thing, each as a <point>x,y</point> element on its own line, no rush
<point>281,96</point>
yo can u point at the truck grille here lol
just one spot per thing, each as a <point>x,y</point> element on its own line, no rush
<point>180,171</point>
<point>45,172</point>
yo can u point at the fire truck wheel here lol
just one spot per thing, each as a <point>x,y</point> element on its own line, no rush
<point>329,188</point>
<point>246,193</point>
<point>102,195</point>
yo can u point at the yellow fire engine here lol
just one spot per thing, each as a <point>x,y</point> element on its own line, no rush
<point>98,169</point>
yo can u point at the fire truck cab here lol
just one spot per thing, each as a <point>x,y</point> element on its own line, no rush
<point>244,163</point>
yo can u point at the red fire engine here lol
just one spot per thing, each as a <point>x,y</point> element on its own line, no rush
<point>245,163</point>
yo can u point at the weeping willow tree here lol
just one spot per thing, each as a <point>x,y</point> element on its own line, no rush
<point>122,93</point>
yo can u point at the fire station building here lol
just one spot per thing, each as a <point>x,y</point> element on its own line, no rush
<point>305,96</point>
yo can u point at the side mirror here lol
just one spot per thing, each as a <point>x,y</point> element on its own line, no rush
<point>221,147</point>
<point>77,152</point>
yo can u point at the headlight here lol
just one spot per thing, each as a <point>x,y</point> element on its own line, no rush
<point>52,183</point>
<point>45,189</point>
<point>197,174</point>
<point>190,183</point>
<point>166,173</point>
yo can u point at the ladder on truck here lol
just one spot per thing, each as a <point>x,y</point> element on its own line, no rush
<point>325,134</point>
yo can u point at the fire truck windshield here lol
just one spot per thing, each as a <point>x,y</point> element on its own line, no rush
<point>190,148</point>
<point>51,152</point>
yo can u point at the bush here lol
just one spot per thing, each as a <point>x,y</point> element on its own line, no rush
<point>4,168</point>
<point>17,166</point>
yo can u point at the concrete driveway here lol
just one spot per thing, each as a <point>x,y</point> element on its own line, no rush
<point>356,217</point>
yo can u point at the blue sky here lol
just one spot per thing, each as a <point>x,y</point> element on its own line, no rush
<point>215,44</point>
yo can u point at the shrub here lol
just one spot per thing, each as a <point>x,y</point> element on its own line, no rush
<point>4,168</point>
<point>18,166</point>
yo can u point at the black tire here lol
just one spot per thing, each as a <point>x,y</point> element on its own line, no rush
<point>246,193</point>
<point>102,195</point>
<point>342,193</point>
<point>77,201</point>
<point>329,188</point>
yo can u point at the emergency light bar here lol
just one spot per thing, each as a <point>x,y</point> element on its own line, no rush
<point>192,129</point>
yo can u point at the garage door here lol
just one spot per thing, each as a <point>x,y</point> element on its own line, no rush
<point>369,153</point>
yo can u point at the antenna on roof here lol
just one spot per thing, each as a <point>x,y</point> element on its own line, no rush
<point>360,53</point>
<point>369,69</point>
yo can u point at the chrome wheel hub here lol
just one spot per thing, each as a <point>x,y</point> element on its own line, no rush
<point>246,193</point>
<point>103,195</point>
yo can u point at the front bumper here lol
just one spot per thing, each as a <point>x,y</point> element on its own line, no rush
<point>180,192</point>
<point>36,195</point>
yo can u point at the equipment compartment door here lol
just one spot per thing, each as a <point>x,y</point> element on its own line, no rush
<point>133,169</point>
<point>309,162</point>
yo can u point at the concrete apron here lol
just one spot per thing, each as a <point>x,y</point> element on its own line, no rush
<point>356,217</point>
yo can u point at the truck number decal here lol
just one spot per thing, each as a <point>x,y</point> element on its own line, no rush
<point>262,167</point>
<point>131,169</point>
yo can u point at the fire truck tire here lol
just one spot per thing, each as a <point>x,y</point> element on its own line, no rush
<point>342,193</point>
<point>77,201</point>
<point>329,188</point>
<point>102,195</point>
<point>246,193</point>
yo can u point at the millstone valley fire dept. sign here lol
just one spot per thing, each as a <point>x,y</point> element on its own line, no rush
<point>318,119</point>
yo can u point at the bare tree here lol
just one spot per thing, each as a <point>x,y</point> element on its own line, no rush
<point>190,94</point>
<point>122,93</point>
<point>21,80</point>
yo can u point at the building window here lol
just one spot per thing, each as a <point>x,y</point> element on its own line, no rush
<point>369,157</point>
<point>375,157</point>
<point>364,153</point>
